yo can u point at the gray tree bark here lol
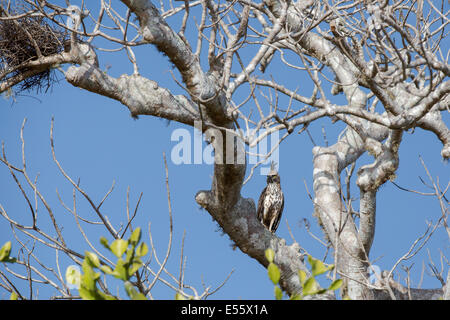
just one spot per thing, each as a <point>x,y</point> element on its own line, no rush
<point>408,81</point>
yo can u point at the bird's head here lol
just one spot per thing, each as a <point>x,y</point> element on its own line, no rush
<point>273,176</point>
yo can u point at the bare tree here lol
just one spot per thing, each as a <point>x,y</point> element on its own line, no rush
<point>31,237</point>
<point>387,58</point>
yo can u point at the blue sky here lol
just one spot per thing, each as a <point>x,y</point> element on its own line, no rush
<point>97,141</point>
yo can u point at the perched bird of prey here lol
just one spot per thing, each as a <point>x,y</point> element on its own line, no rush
<point>271,201</point>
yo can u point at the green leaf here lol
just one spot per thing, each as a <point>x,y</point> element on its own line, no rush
<point>278,293</point>
<point>120,271</point>
<point>106,269</point>
<point>139,296</point>
<point>88,294</point>
<point>296,297</point>
<point>310,287</point>
<point>142,250</point>
<point>13,296</point>
<point>179,296</point>
<point>128,287</point>
<point>270,254</point>
<point>89,277</point>
<point>5,251</point>
<point>274,273</point>
<point>135,236</point>
<point>302,276</point>
<point>92,259</point>
<point>318,267</point>
<point>73,275</point>
<point>104,296</point>
<point>104,242</point>
<point>335,285</point>
<point>87,282</point>
<point>118,247</point>
<point>321,291</point>
<point>133,293</point>
<point>129,256</point>
<point>134,267</point>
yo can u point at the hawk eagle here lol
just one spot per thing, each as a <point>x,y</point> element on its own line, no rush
<point>271,202</point>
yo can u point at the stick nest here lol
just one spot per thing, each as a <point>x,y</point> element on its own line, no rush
<point>20,42</point>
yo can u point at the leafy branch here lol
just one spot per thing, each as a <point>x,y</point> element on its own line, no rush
<point>124,269</point>
<point>309,285</point>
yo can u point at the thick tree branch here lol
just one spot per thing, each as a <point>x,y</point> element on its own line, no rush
<point>387,69</point>
<point>202,87</point>
<point>141,95</point>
